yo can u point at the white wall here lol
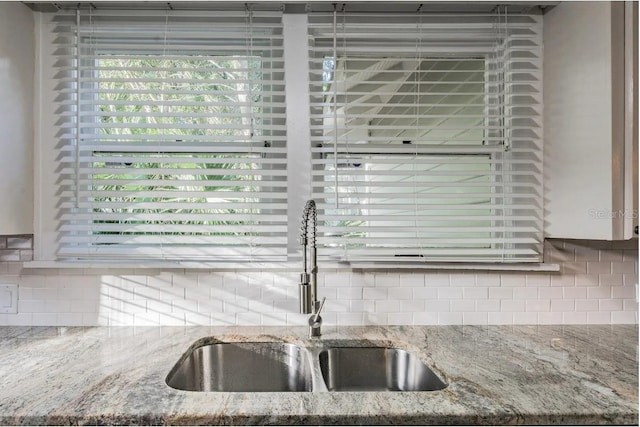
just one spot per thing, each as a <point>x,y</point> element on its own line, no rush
<point>17,53</point>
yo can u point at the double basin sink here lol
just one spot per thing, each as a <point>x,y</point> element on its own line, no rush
<point>285,367</point>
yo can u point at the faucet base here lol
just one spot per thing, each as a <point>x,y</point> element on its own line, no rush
<point>315,324</point>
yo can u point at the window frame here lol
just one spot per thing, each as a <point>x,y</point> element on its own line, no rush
<point>295,42</point>
<point>513,247</point>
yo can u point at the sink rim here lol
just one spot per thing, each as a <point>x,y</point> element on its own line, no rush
<point>311,350</point>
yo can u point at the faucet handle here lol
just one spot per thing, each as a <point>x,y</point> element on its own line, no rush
<point>317,314</point>
<point>315,321</point>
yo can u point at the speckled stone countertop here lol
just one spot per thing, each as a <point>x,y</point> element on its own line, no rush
<point>496,375</point>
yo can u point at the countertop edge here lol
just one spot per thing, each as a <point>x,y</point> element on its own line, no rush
<point>267,419</point>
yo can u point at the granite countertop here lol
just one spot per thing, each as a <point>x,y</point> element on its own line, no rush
<point>496,375</point>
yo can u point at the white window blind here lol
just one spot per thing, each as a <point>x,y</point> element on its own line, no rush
<point>426,136</point>
<point>172,134</point>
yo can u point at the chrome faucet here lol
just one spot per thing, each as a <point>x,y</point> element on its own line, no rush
<point>309,278</point>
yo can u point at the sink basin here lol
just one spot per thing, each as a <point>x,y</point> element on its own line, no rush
<point>242,367</point>
<point>376,369</point>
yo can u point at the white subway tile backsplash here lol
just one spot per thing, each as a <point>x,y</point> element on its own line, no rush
<point>630,255</point>
<point>475,293</point>
<point>600,292</point>
<point>363,306</point>
<point>517,306</point>
<point>549,318</point>
<point>538,305</point>
<point>612,255</point>
<point>342,306</point>
<point>585,253</point>
<point>623,292</point>
<point>251,319</point>
<point>587,305</point>
<point>355,318</point>
<point>512,279</point>
<point>336,280</point>
<point>596,284</point>
<point>630,304</point>
<point>477,318</point>
<point>521,318</point>
<point>374,293</point>
<point>488,279</point>
<point>400,293</point>
<point>375,318</point>
<point>563,305</point>
<point>501,293</point>
<point>527,293</point>
<point>425,318</point>
<point>610,305</point>
<point>462,279</point>
<point>400,318</point>
<point>624,267</point>
<point>437,306</point>
<point>30,306</point>
<point>488,305</point>
<point>364,280</point>
<point>69,319</point>
<point>563,280</point>
<point>20,319</point>
<point>550,293</point>
<point>500,318</point>
<point>437,280</point>
<point>538,280</point>
<point>218,319</point>
<point>57,306</point>
<point>44,319</point>
<point>557,253</point>
<point>598,317</point>
<point>349,293</point>
<point>596,267</point>
<point>425,293</point>
<point>412,280</point>
<point>624,317</point>
<point>590,280</point>
<point>574,318</point>
<point>577,267</point>
<point>450,293</point>
<point>630,279</point>
<point>412,306</point>
<point>387,280</point>
<point>449,318</point>
<point>462,305</point>
<point>273,319</point>
<point>574,293</point>
<point>611,279</point>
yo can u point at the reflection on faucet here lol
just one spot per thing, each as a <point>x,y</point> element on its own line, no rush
<point>309,278</point>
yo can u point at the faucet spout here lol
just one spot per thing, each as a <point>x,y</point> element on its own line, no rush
<point>309,278</point>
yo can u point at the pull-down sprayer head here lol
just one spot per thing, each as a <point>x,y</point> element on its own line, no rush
<point>309,278</point>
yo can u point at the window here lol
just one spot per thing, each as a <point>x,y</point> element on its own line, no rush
<point>426,137</point>
<point>175,143</point>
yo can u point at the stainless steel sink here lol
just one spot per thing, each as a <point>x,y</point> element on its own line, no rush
<point>242,367</point>
<point>376,369</point>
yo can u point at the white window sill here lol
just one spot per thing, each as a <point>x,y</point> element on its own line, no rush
<point>285,266</point>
